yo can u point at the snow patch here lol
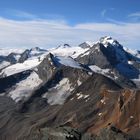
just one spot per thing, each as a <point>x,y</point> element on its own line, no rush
<point>104,72</point>
<point>90,43</point>
<point>130,62</point>
<point>17,57</point>
<point>79,82</point>
<point>80,95</point>
<point>98,69</point>
<point>132,52</point>
<point>103,101</point>
<point>86,53</point>
<point>71,99</point>
<point>87,100</point>
<point>97,48</point>
<point>86,96</point>
<point>100,114</point>
<point>131,117</point>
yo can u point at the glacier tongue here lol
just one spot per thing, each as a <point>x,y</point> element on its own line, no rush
<point>24,88</point>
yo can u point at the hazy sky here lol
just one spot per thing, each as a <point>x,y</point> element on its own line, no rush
<point>49,23</point>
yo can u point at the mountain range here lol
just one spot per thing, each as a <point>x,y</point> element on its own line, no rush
<point>85,92</point>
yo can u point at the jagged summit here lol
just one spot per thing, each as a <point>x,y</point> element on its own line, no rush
<point>63,46</point>
<point>107,40</point>
<point>37,49</point>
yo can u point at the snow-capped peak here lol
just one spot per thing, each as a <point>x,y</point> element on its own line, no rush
<point>37,49</point>
<point>109,40</point>
<point>120,53</point>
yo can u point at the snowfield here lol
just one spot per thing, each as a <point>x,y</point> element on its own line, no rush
<point>68,61</point>
<point>104,72</point>
<point>68,51</point>
<point>20,67</point>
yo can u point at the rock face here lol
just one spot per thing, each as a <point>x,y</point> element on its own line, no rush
<point>12,58</point>
<point>61,133</point>
<point>24,56</point>
<point>7,82</point>
<point>68,133</point>
<point>31,53</point>
<point>107,55</point>
<point>85,45</point>
<point>94,56</point>
<point>88,109</point>
<point>89,97</point>
<point>47,68</point>
<point>113,133</point>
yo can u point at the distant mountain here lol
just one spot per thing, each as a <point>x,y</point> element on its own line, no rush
<point>67,50</point>
<point>110,58</point>
<point>89,91</point>
<point>86,44</point>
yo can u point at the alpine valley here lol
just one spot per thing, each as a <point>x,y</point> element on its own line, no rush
<point>85,92</point>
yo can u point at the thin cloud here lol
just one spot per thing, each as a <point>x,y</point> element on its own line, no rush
<point>51,33</point>
<point>22,14</point>
<point>103,12</point>
<point>137,14</point>
<point>19,14</point>
<point>115,21</point>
